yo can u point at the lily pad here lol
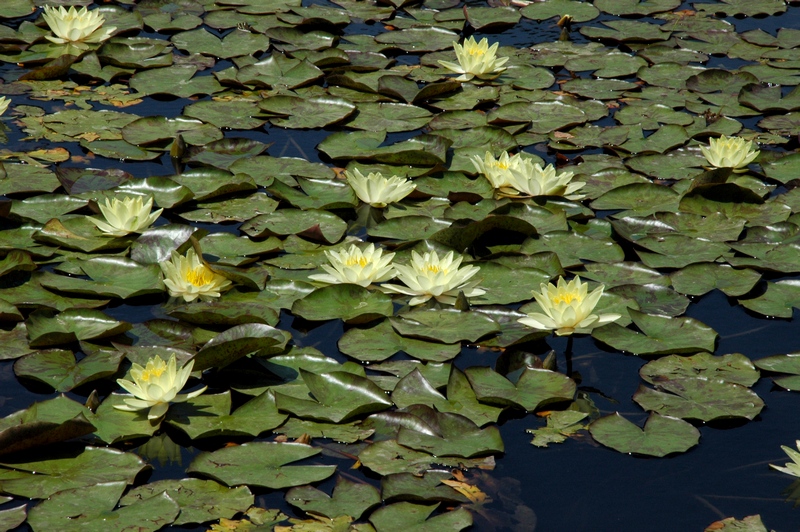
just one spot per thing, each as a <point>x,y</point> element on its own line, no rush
<point>662,435</point>
<point>701,398</point>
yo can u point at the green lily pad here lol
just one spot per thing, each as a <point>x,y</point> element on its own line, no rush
<point>455,435</point>
<point>348,498</point>
<point>734,367</point>
<point>59,369</point>
<point>409,516</point>
<point>702,398</point>
<point>660,335</point>
<point>314,224</point>
<point>560,425</point>
<point>788,363</point>
<point>379,342</point>
<point>46,328</point>
<point>778,300</point>
<point>306,113</point>
<point>200,501</point>
<point>261,464</point>
<point>210,415</point>
<point>579,11</point>
<point>446,325</point>
<point>240,341</point>
<point>176,80</point>
<point>110,277</point>
<point>662,435</point>
<point>351,303</point>
<point>47,422</point>
<point>698,279</point>
<point>534,389</point>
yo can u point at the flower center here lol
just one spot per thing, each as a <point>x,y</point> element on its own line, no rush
<point>566,297</point>
<point>475,51</point>
<point>501,165</point>
<point>434,269</point>
<point>152,373</point>
<point>360,261</point>
<point>200,276</point>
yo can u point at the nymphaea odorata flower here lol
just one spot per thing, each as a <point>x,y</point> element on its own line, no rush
<point>357,266</point>
<point>429,276</point>
<point>531,179</point>
<point>498,171</point>
<point>476,60</point>
<point>730,152</point>
<point>793,467</point>
<point>123,216</point>
<point>75,25</point>
<point>377,190</point>
<point>4,104</point>
<point>189,277</point>
<point>156,385</point>
<point>567,308</point>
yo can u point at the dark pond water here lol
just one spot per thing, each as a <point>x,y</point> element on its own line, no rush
<point>578,485</point>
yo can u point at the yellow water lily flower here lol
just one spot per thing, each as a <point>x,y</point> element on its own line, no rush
<point>156,385</point>
<point>567,308</point>
<point>429,276</point>
<point>476,60</point>
<point>75,25</point>
<point>533,180</point>
<point>4,104</point>
<point>377,190</point>
<point>730,152</point>
<point>123,216</point>
<point>793,467</point>
<point>188,277</point>
<point>356,266</point>
<point>498,171</point>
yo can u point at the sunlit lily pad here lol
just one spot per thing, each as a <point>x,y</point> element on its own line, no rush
<point>660,335</point>
<point>445,325</point>
<point>735,368</point>
<point>379,342</point>
<point>788,364</point>
<point>702,398</point>
<point>59,369</point>
<point>534,389</point>
<point>662,435</point>
<point>348,498</point>
<point>47,422</point>
<point>210,415</point>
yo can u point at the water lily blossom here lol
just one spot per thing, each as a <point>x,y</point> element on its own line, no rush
<point>730,152</point>
<point>476,60</point>
<point>156,385</point>
<point>531,179</point>
<point>189,277</point>
<point>357,266</point>
<point>377,190</point>
<point>793,467</point>
<point>123,216</point>
<point>4,104</point>
<point>75,25</point>
<point>428,277</point>
<point>499,171</point>
<point>567,308</point>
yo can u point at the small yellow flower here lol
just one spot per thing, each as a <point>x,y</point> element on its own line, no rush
<point>75,25</point>
<point>188,277</point>
<point>476,60</point>
<point>567,308</point>
<point>129,215</point>
<point>730,152</point>
<point>156,385</point>
<point>428,276</point>
<point>793,467</point>
<point>355,266</point>
<point>533,180</point>
<point>498,171</point>
<point>4,104</point>
<point>377,190</point>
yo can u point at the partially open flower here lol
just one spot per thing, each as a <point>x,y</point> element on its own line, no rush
<point>476,60</point>
<point>75,25</point>
<point>123,216</point>
<point>730,152</point>
<point>156,385</point>
<point>356,266</point>
<point>567,308</point>
<point>377,190</point>
<point>4,104</point>
<point>428,276</point>
<point>533,180</point>
<point>793,467</point>
<point>188,277</point>
<point>499,171</point>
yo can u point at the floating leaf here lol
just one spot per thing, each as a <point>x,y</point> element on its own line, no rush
<point>702,398</point>
<point>662,435</point>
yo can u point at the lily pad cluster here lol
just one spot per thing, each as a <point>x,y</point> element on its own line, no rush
<point>229,246</point>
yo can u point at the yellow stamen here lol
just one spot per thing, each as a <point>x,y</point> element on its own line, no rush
<point>152,373</point>
<point>434,268</point>
<point>361,261</point>
<point>200,276</point>
<point>566,297</point>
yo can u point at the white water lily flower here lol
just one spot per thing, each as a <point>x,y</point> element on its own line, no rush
<point>476,60</point>
<point>377,190</point>
<point>793,467</point>
<point>123,216</point>
<point>356,266</point>
<point>567,308</point>
<point>156,385</point>
<point>76,25</point>
<point>498,171</point>
<point>533,180</point>
<point>428,276</point>
<point>730,152</point>
<point>4,104</point>
<point>188,277</point>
